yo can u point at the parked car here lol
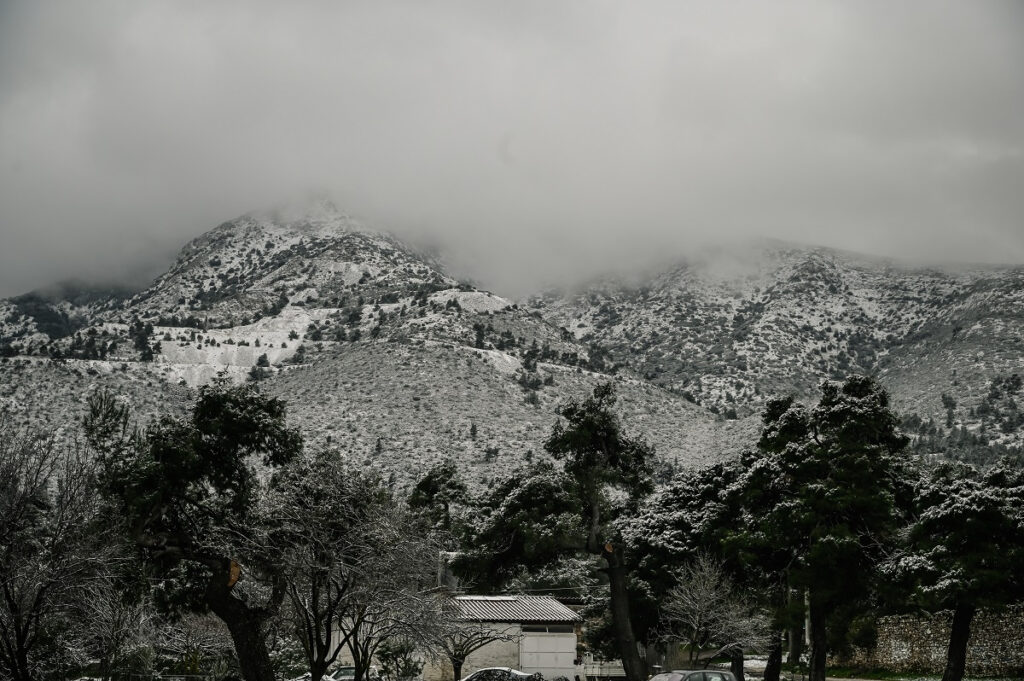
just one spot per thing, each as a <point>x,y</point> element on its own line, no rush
<point>349,674</point>
<point>344,674</point>
<point>694,675</point>
<point>497,674</point>
<point>341,674</point>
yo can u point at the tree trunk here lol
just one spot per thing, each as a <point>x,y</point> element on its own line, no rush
<point>736,665</point>
<point>20,670</point>
<point>251,649</point>
<point>795,633</point>
<point>956,656</point>
<point>773,669</point>
<point>318,669</point>
<point>819,640</point>
<point>246,627</point>
<point>19,666</point>
<point>631,663</point>
<point>13,646</point>
<point>796,644</point>
<point>362,654</point>
<point>457,668</point>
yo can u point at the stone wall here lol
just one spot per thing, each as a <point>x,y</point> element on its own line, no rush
<point>917,643</point>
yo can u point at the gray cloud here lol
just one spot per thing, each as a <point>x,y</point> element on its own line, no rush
<point>541,140</point>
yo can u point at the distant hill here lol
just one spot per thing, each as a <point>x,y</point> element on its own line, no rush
<point>385,356</point>
<point>730,329</point>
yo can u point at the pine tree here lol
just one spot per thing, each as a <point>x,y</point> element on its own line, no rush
<point>435,495</point>
<point>604,463</point>
<point>188,492</point>
<point>966,547</point>
<point>823,487</point>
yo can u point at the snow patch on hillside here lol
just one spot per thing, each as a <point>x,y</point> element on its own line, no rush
<point>473,301</point>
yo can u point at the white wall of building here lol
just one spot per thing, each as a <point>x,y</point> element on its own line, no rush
<point>494,654</point>
<point>551,654</point>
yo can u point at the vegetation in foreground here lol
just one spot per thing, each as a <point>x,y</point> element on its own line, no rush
<point>217,544</point>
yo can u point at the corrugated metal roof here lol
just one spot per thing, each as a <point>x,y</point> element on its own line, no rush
<point>514,609</point>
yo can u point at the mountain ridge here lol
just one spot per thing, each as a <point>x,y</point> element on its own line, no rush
<point>307,297</point>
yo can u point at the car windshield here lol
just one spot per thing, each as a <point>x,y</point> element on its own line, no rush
<point>498,674</point>
<point>492,675</point>
<point>667,676</point>
<point>344,673</point>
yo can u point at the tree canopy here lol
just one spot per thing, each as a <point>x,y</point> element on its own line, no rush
<point>824,487</point>
<point>965,548</point>
<point>188,489</point>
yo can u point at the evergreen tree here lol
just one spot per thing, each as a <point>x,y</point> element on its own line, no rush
<point>966,547</point>
<point>435,495</point>
<point>697,514</point>
<point>611,474</point>
<point>188,491</point>
<point>542,517</point>
<point>824,487</point>
<point>525,522</point>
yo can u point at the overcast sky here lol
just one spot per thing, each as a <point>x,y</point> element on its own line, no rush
<point>538,137</point>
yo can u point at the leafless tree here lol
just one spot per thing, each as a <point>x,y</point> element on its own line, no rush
<point>706,610</point>
<point>359,570</point>
<point>51,544</point>
<point>113,625</point>
<point>459,636</point>
<point>318,515</point>
<point>396,596</point>
<point>200,643</point>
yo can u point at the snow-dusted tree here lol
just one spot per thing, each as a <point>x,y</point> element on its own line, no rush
<point>400,660</point>
<point>707,610</point>
<point>541,515</point>
<point>115,625</point>
<point>359,568</point>
<point>52,542</point>
<point>823,487</point>
<point>696,514</point>
<point>197,644</point>
<point>437,495</point>
<point>610,473</point>
<point>319,518</point>
<point>188,490</point>
<point>965,548</point>
<point>458,636</point>
<point>526,523</point>
<point>395,596</point>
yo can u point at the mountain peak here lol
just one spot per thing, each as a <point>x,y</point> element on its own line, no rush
<point>308,252</point>
<point>319,214</point>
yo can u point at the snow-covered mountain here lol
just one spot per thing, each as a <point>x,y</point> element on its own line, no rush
<point>729,329</point>
<point>384,355</point>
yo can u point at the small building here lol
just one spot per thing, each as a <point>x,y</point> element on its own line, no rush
<point>545,634</point>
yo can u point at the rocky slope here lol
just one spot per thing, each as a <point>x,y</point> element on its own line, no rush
<point>383,355</point>
<point>379,352</point>
<point>728,330</point>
